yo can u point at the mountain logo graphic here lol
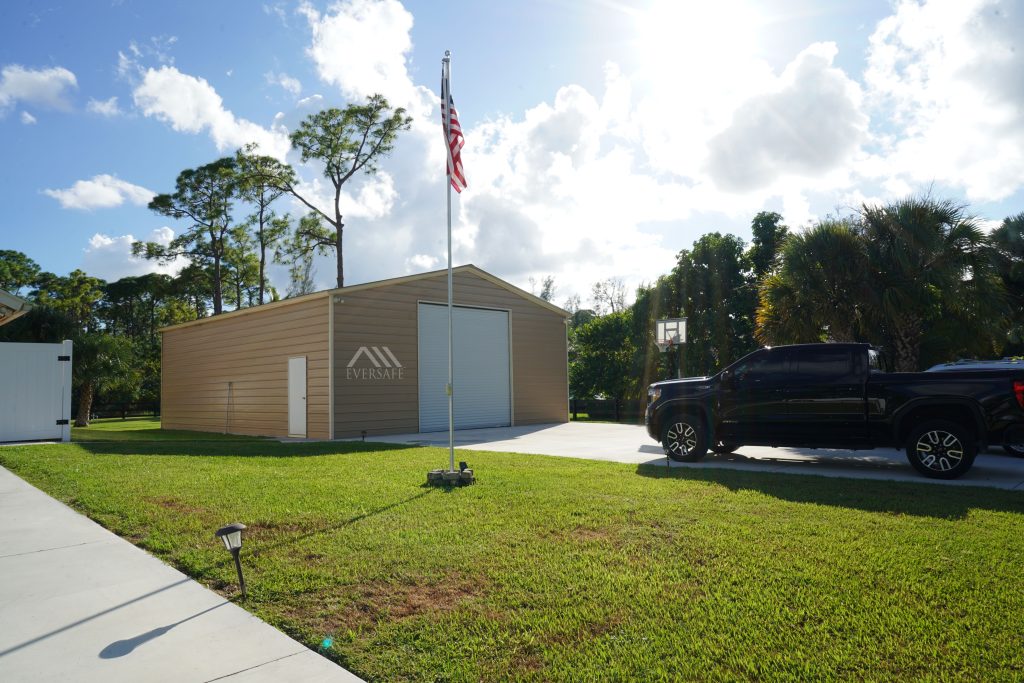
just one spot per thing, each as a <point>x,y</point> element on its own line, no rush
<point>373,353</point>
<point>378,363</point>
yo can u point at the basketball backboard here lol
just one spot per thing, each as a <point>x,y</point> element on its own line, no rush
<point>669,332</point>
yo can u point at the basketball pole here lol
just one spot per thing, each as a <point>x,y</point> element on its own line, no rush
<point>446,99</point>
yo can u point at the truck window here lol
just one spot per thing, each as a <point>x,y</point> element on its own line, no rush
<point>875,361</point>
<point>825,365</point>
<point>770,365</point>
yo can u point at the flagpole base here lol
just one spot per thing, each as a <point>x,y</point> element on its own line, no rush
<point>448,479</point>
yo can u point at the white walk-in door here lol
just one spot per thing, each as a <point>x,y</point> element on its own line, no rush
<point>482,371</point>
<point>35,391</point>
<point>297,396</point>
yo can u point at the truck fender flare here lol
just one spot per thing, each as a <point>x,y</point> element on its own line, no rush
<point>971,406</point>
<point>677,405</point>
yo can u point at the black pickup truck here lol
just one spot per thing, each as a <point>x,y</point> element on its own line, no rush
<point>837,396</point>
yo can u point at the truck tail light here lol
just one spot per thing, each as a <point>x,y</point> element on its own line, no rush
<point>1018,389</point>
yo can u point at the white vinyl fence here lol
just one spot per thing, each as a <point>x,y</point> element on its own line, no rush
<point>35,392</point>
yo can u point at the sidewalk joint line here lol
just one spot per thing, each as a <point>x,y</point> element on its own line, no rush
<point>60,547</point>
<point>235,673</point>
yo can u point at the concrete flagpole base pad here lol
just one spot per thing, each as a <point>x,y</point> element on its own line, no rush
<point>446,478</point>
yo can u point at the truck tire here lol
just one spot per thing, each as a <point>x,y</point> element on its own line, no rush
<point>684,438</point>
<point>941,449</point>
<point>1014,449</point>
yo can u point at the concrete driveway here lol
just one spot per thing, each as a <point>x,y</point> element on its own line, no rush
<point>631,444</point>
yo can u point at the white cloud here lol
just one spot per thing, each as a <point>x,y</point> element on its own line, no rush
<point>27,118</point>
<point>561,191</point>
<point>277,9</point>
<point>191,105</point>
<point>311,101</point>
<point>420,263</point>
<point>809,124</point>
<point>110,257</point>
<point>106,108</point>
<point>101,192</point>
<point>292,85</point>
<point>948,78</point>
<point>41,87</point>
<point>362,47</point>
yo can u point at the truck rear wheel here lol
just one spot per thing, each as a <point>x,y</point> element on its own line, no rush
<point>941,449</point>
<point>684,438</point>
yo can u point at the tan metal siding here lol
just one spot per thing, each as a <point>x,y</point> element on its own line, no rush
<point>387,316</point>
<point>251,351</point>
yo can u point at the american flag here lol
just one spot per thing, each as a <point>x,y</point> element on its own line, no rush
<point>455,142</point>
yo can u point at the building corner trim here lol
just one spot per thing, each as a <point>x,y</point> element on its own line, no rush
<point>330,367</point>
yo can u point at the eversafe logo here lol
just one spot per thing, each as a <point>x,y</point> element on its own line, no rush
<point>382,364</point>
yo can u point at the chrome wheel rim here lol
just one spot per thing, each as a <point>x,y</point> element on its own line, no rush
<point>939,450</point>
<point>682,438</point>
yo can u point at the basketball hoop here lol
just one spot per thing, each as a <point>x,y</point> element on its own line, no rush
<point>669,332</point>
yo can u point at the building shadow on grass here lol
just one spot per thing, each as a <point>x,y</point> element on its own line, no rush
<point>869,495</point>
<point>262,448</point>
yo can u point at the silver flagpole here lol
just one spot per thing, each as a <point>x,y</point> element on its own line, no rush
<point>446,69</point>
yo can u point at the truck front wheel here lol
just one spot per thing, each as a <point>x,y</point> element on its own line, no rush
<point>941,449</point>
<point>684,438</point>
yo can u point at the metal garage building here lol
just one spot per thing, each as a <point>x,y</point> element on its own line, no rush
<point>370,358</point>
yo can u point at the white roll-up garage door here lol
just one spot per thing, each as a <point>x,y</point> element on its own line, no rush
<point>483,394</point>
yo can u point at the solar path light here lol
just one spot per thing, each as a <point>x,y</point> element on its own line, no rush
<point>232,537</point>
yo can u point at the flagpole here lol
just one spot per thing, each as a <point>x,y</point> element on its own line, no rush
<point>446,99</point>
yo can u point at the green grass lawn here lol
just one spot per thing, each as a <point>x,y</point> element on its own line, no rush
<point>564,569</point>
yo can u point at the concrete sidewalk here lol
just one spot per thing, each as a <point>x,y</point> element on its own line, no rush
<point>78,603</point>
<point>631,444</point>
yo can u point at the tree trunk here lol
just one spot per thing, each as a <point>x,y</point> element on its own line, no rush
<point>218,306</point>
<point>263,279</point>
<point>263,254</point>
<point>341,257</point>
<point>907,342</point>
<point>84,405</point>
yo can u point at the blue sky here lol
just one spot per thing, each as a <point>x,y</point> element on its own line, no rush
<point>602,136</point>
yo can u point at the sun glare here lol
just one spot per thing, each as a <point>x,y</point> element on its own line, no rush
<point>671,32</point>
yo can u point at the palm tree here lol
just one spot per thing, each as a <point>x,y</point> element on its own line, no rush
<point>818,291</point>
<point>928,260</point>
<point>1008,243</point>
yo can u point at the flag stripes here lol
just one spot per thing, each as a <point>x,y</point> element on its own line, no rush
<point>455,138</point>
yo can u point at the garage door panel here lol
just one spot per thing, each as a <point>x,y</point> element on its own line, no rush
<point>481,374</point>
